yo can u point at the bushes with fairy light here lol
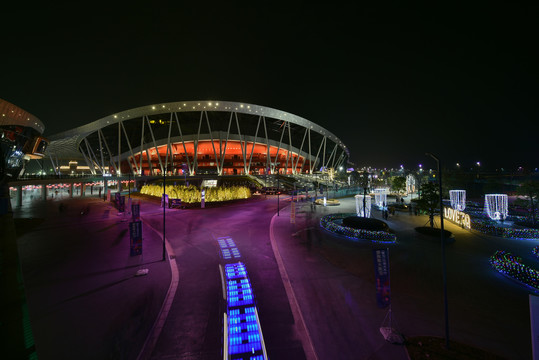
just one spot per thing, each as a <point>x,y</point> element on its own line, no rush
<point>333,223</point>
<point>191,194</point>
<point>492,227</point>
<point>512,266</point>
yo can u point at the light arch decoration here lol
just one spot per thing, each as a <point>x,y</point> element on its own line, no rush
<point>380,196</point>
<point>196,137</point>
<point>496,206</point>
<point>363,211</point>
<point>458,199</point>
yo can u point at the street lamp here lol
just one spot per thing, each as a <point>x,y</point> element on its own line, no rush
<point>164,209</point>
<point>444,274</point>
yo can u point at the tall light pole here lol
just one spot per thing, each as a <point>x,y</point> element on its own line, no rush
<point>278,193</point>
<point>164,209</point>
<point>444,274</point>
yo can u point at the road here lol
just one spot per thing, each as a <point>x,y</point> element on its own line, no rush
<point>79,282</point>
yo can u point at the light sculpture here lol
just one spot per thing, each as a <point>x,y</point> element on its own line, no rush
<point>458,199</point>
<point>380,196</point>
<point>360,210</point>
<point>410,184</point>
<point>496,206</point>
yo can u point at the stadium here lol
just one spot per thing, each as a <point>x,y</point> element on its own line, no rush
<point>196,138</point>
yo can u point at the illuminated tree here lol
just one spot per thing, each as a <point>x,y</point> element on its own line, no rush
<point>365,183</point>
<point>530,189</point>
<point>429,201</point>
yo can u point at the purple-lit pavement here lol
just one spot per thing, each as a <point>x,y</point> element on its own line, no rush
<point>314,291</point>
<point>194,326</point>
<point>333,283</point>
<point>83,296</point>
<point>337,307</point>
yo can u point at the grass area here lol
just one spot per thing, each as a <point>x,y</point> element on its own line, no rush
<point>433,348</point>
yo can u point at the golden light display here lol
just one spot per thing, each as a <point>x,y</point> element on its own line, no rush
<point>191,194</point>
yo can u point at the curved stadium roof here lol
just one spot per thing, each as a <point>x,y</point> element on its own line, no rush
<point>66,144</point>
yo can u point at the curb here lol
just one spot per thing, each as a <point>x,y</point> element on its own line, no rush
<point>308,346</point>
<point>155,332</point>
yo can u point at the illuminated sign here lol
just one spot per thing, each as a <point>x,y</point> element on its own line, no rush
<point>457,217</point>
<point>209,183</point>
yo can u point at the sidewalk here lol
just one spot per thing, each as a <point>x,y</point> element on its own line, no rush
<point>339,309</point>
<point>83,296</point>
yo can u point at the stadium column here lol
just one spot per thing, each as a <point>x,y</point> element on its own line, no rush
<point>19,196</point>
<point>82,189</point>
<point>44,192</point>
<point>71,191</point>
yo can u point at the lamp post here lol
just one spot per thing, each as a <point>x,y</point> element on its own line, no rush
<point>278,193</point>
<point>164,209</point>
<point>444,274</point>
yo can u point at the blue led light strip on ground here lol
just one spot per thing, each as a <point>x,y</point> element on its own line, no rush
<point>228,248</point>
<point>244,336</point>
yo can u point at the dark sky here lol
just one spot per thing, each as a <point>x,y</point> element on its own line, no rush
<point>392,80</point>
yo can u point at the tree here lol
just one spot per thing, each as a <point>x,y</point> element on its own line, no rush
<point>398,184</point>
<point>364,182</point>
<point>429,201</point>
<point>530,189</point>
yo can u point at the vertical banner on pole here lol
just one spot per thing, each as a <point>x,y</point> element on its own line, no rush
<point>135,212</point>
<point>121,204</point>
<point>135,235</point>
<point>534,318</point>
<point>108,195</point>
<point>381,272</point>
<point>293,213</point>
<point>164,200</point>
<point>202,198</point>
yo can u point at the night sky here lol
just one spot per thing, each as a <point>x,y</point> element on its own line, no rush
<point>392,80</point>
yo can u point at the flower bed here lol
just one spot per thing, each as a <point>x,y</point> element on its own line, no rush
<point>490,227</point>
<point>191,194</point>
<point>330,223</point>
<point>512,266</point>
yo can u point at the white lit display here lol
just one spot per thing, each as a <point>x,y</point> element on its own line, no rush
<point>360,211</point>
<point>410,184</point>
<point>457,217</point>
<point>458,199</point>
<point>496,206</point>
<point>380,196</point>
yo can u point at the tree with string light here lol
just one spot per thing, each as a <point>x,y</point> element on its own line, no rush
<point>430,200</point>
<point>530,189</point>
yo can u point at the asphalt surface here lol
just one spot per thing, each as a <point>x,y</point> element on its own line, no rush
<point>315,291</point>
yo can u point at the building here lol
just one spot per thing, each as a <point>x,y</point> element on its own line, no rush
<point>20,140</point>
<point>196,137</point>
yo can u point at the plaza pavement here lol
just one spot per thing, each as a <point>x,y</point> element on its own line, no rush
<point>83,296</point>
<point>84,299</point>
<point>333,283</point>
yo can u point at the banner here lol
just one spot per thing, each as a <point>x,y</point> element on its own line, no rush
<point>135,211</point>
<point>164,200</point>
<point>202,198</point>
<point>121,204</point>
<point>381,273</point>
<point>135,235</point>
<point>534,317</point>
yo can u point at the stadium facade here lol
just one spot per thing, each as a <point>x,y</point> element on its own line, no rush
<point>20,139</point>
<point>198,137</point>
